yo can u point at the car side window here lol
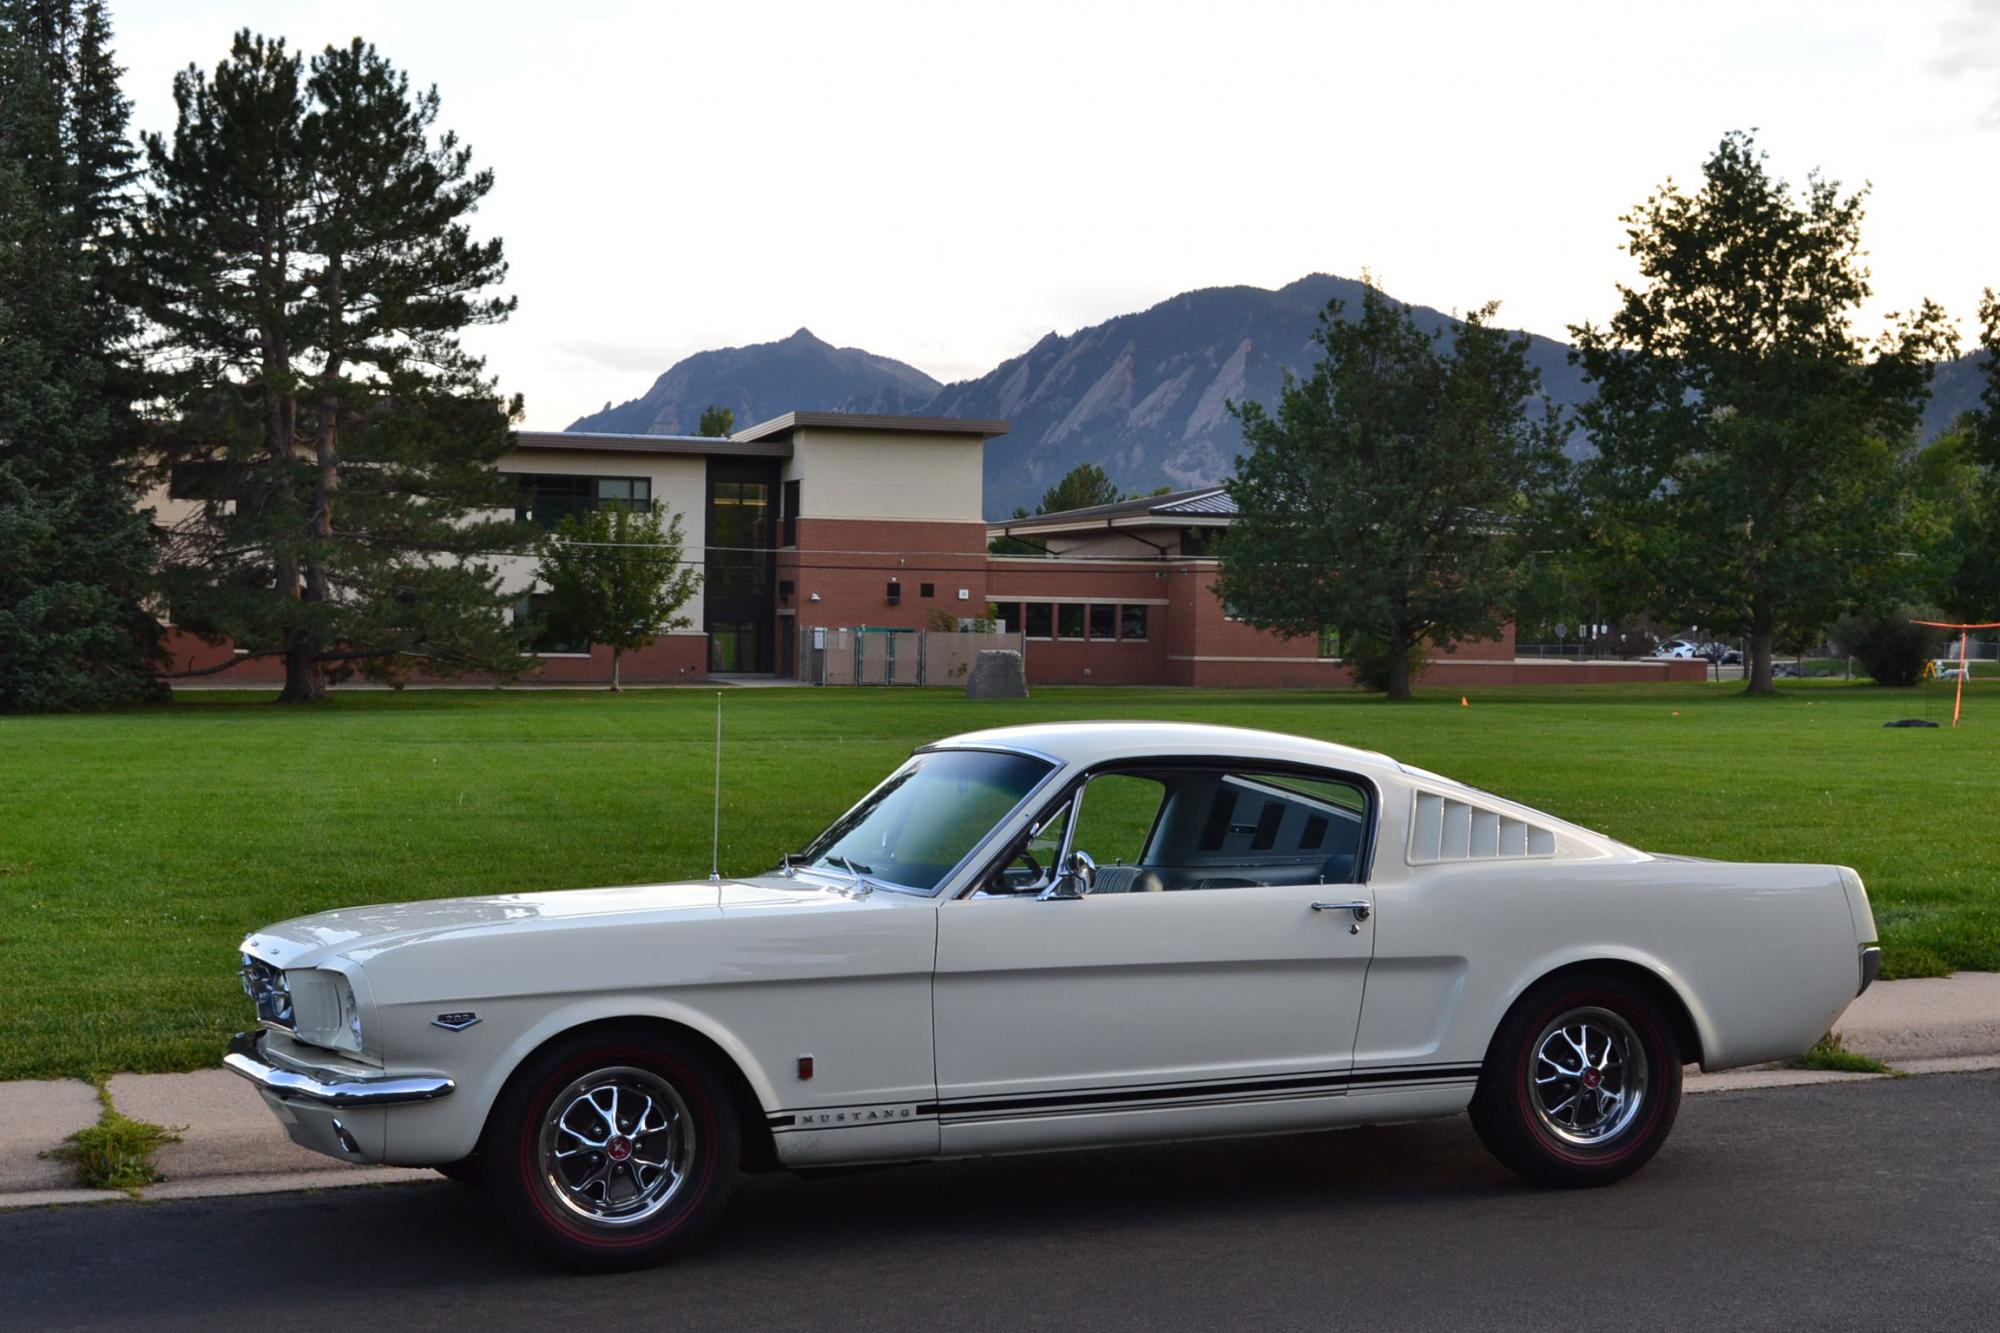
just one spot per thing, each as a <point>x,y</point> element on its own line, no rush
<point>1178,828</point>
<point>1116,820</point>
<point>1034,863</point>
<point>1247,827</point>
<point>1114,826</point>
<point>1244,828</point>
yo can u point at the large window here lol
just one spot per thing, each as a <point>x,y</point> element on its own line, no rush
<point>546,497</point>
<point>739,560</point>
<point>1103,620</point>
<point>204,479</point>
<point>1132,622</point>
<point>1199,542</point>
<point>1069,620</point>
<point>539,623</point>
<point>740,577</point>
<point>1041,620</point>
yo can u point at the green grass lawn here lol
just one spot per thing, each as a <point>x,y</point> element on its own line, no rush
<point>137,849</point>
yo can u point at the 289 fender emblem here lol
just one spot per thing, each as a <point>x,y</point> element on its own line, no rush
<point>455,1022</point>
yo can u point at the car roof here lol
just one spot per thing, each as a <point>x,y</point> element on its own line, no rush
<point>1084,744</point>
<point>1087,743</point>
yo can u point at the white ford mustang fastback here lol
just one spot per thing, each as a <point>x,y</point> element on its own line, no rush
<point>1049,937</point>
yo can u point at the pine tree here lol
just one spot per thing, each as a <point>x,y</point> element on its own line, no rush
<point>1084,486</point>
<point>75,552</point>
<point>309,271</point>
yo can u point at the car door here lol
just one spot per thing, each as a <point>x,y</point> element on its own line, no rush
<point>1210,981</point>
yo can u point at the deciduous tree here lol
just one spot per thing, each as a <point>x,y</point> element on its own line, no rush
<point>1387,494</point>
<point>1970,553</point>
<point>1746,436</point>
<point>717,422</point>
<point>617,578</point>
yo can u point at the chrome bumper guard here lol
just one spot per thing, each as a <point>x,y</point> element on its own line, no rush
<point>329,1087</point>
<point>1871,967</point>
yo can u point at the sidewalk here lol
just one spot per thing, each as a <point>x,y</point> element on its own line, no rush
<point>231,1144</point>
<point>1928,1025</point>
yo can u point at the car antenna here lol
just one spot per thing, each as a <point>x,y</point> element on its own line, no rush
<point>715,826</point>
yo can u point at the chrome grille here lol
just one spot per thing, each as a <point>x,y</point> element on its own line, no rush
<point>265,985</point>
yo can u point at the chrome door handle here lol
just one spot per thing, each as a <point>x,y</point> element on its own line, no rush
<point>1360,909</point>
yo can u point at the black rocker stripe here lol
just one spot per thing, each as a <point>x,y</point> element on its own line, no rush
<point>1189,1093</point>
<point>1294,1083</point>
<point>953,1116</point>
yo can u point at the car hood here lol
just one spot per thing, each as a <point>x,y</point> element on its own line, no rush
<point>360,932</point>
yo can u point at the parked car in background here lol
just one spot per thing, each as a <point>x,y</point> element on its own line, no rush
<point>1677,648</point>
<point>1050,937</point>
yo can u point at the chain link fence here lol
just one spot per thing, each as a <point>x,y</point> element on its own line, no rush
<point>870,656</point>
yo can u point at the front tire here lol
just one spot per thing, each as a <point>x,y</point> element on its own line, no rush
<point>613,1149</point>
<point>1582,1082</point>
<point>465,1171</point>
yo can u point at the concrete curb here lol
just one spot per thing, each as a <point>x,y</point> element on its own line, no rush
<point>1770,1076</point>
<point>1926,1018</point>
<point>231,1144</point>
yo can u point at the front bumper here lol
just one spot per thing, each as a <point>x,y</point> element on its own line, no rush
<point>289,1080</point>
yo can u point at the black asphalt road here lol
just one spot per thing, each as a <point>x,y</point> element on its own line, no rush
<point>1856,1206</point>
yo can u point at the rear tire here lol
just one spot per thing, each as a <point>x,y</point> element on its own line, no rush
<point>1581,1083</point>
<point>614,1149</point>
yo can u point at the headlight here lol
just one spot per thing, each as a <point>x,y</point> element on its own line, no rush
<point>265,984</point>
<point>324,1009</point>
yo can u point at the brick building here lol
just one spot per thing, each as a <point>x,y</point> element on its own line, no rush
<point>1122,594</point>
<point>818,522</point>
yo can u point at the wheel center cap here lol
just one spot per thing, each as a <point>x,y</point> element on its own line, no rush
<point>619,1148</point>
<point>1591,1078</point>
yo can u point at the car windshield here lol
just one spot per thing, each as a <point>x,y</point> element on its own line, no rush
<point>913,829</point>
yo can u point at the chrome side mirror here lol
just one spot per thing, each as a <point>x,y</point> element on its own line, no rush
<point>1076,877</point>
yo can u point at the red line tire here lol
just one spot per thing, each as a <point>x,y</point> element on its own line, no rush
<point>615,1149</point>
<point>1582,1081</point>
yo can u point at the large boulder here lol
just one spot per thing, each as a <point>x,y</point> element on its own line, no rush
<point>997,673</point>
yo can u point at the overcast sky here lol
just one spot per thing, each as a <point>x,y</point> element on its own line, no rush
<point>944,183</point>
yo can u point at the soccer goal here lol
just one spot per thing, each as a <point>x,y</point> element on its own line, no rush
<point>1964,667</point>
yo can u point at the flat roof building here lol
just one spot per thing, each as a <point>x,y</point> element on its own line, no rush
<point>818,524</point>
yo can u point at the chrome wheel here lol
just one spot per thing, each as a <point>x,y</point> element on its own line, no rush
<point>616,1146</point>
<point>1587,1080</point>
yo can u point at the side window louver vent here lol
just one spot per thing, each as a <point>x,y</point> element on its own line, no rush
<point>1444,829</point>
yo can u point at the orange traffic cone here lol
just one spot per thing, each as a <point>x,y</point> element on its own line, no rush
<point>1463,702</point>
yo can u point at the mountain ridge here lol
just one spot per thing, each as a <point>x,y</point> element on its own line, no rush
<point>1144,395</point>
<point>763,380</point>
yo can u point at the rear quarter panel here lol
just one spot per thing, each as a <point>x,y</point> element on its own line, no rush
<point>1763,956</point>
